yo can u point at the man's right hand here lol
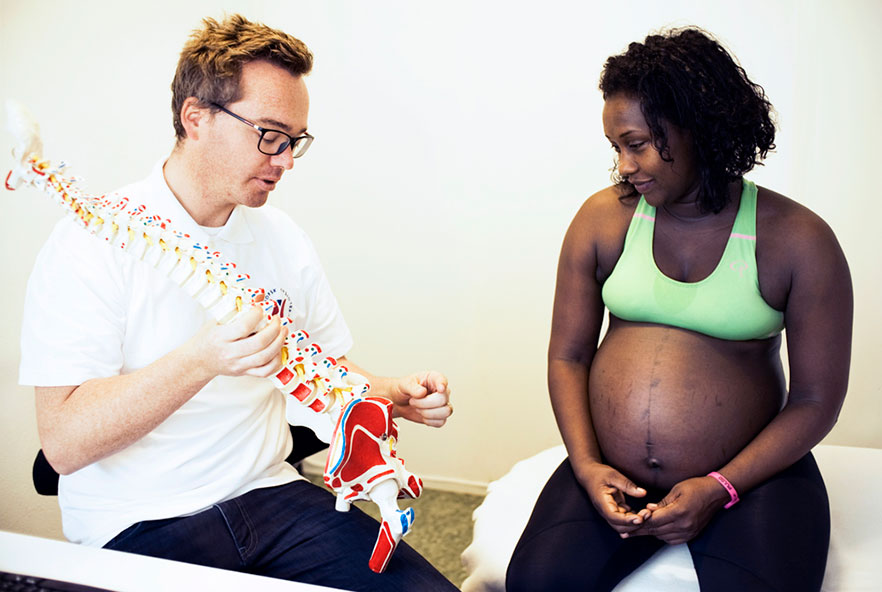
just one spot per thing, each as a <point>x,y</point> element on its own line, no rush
<point>240,347</point>
<point>80,424</point>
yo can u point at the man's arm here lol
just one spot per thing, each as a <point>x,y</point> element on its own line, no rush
<point>422,398</point>
<point>79,425</point>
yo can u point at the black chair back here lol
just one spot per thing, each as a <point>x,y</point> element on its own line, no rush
<point>305,444</point>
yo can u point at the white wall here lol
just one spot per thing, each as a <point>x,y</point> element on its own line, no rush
<point>455,140</point>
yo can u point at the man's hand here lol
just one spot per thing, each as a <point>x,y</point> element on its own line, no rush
<point>684,511</point>
<point>422,398</point>
<point>238,348</point>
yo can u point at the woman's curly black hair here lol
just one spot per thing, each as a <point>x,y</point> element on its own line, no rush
<point>686,78</point>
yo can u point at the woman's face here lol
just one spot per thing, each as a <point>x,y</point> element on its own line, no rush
<point>660,182</point>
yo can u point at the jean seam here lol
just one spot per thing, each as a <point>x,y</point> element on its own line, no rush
<point>253,540</point>
<point>232,534</point>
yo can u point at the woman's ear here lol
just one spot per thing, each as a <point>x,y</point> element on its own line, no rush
<point>194,116</point>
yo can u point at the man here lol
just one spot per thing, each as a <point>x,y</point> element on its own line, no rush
<point>169,439</point>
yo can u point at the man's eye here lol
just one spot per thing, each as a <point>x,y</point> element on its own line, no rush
<point>272,136</point>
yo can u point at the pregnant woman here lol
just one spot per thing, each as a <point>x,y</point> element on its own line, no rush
<point>680,426</point>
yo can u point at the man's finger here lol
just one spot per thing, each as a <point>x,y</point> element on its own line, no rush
<point>429,401</point>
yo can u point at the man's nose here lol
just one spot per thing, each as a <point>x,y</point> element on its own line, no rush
<point>284,160</point>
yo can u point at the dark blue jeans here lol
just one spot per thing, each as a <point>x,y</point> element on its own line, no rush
<point>290,532</point>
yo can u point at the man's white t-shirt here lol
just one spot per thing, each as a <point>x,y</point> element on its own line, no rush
<point>93,311</point>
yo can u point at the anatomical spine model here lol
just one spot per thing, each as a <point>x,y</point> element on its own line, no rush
<point>362,463</point>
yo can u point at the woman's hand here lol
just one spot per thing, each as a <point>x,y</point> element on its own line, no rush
<point>684,511</point>
<point>607,488</point>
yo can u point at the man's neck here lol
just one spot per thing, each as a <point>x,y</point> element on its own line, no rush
<point>182,177</point>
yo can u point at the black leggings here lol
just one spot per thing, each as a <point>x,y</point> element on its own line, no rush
<point>775,538</point>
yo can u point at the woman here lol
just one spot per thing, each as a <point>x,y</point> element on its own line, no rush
<point>683,410</point>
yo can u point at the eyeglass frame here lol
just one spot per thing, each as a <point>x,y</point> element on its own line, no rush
<point>292,141</point>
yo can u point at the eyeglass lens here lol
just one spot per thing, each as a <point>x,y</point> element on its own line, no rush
<point>273,142</point>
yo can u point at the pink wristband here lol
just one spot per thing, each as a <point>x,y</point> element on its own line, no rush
<point>733,494</point>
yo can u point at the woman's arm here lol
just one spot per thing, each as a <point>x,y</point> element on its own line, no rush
<point>575,328</point>
<point>818,316</point>
<point>589,249</point>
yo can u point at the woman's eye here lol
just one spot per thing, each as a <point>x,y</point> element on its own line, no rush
<point>636,145</point>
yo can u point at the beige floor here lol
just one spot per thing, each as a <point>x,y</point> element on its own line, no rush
<point>442,528</point>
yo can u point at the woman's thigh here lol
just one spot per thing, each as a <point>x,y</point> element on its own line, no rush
<point>567,545</point>
<point>776,538</point>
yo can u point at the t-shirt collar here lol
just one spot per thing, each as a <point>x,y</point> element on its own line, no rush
<point>236,230</point>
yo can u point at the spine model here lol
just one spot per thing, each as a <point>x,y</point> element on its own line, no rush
<point>362,462</point>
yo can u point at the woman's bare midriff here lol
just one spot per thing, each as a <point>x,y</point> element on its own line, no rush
<point>668,404</point>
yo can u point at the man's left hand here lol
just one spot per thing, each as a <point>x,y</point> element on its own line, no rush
<point>422,398</point>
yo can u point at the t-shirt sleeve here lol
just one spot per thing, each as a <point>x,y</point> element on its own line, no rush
<point>74,313</point>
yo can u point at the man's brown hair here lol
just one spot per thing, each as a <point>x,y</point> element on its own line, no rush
<point>211,61</point>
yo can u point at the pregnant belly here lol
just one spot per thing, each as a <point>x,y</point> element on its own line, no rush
<point>669,404</point>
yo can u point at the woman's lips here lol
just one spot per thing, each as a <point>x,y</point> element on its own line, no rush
<point>642,186</point>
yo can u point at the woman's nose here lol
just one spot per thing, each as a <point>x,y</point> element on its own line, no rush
<point>626,166</point>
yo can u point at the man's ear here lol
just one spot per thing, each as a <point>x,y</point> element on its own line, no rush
<point>194,116</point>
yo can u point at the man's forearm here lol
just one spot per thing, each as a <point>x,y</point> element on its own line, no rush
<point>381,386</point>
<point>82,424</point>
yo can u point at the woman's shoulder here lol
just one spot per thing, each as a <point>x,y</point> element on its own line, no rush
<point>804,272</point>
<point>780,219</point>
<point>613,197</point>
<point>606,211</point>
<point>599,227</point>
<point>795,249</point>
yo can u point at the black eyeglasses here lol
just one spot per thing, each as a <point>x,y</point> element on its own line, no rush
<point>273,142</point>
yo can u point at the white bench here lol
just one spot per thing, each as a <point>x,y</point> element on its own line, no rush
<point>854,564</point>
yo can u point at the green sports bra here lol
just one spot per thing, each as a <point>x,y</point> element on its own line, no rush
<point>727,304</point>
